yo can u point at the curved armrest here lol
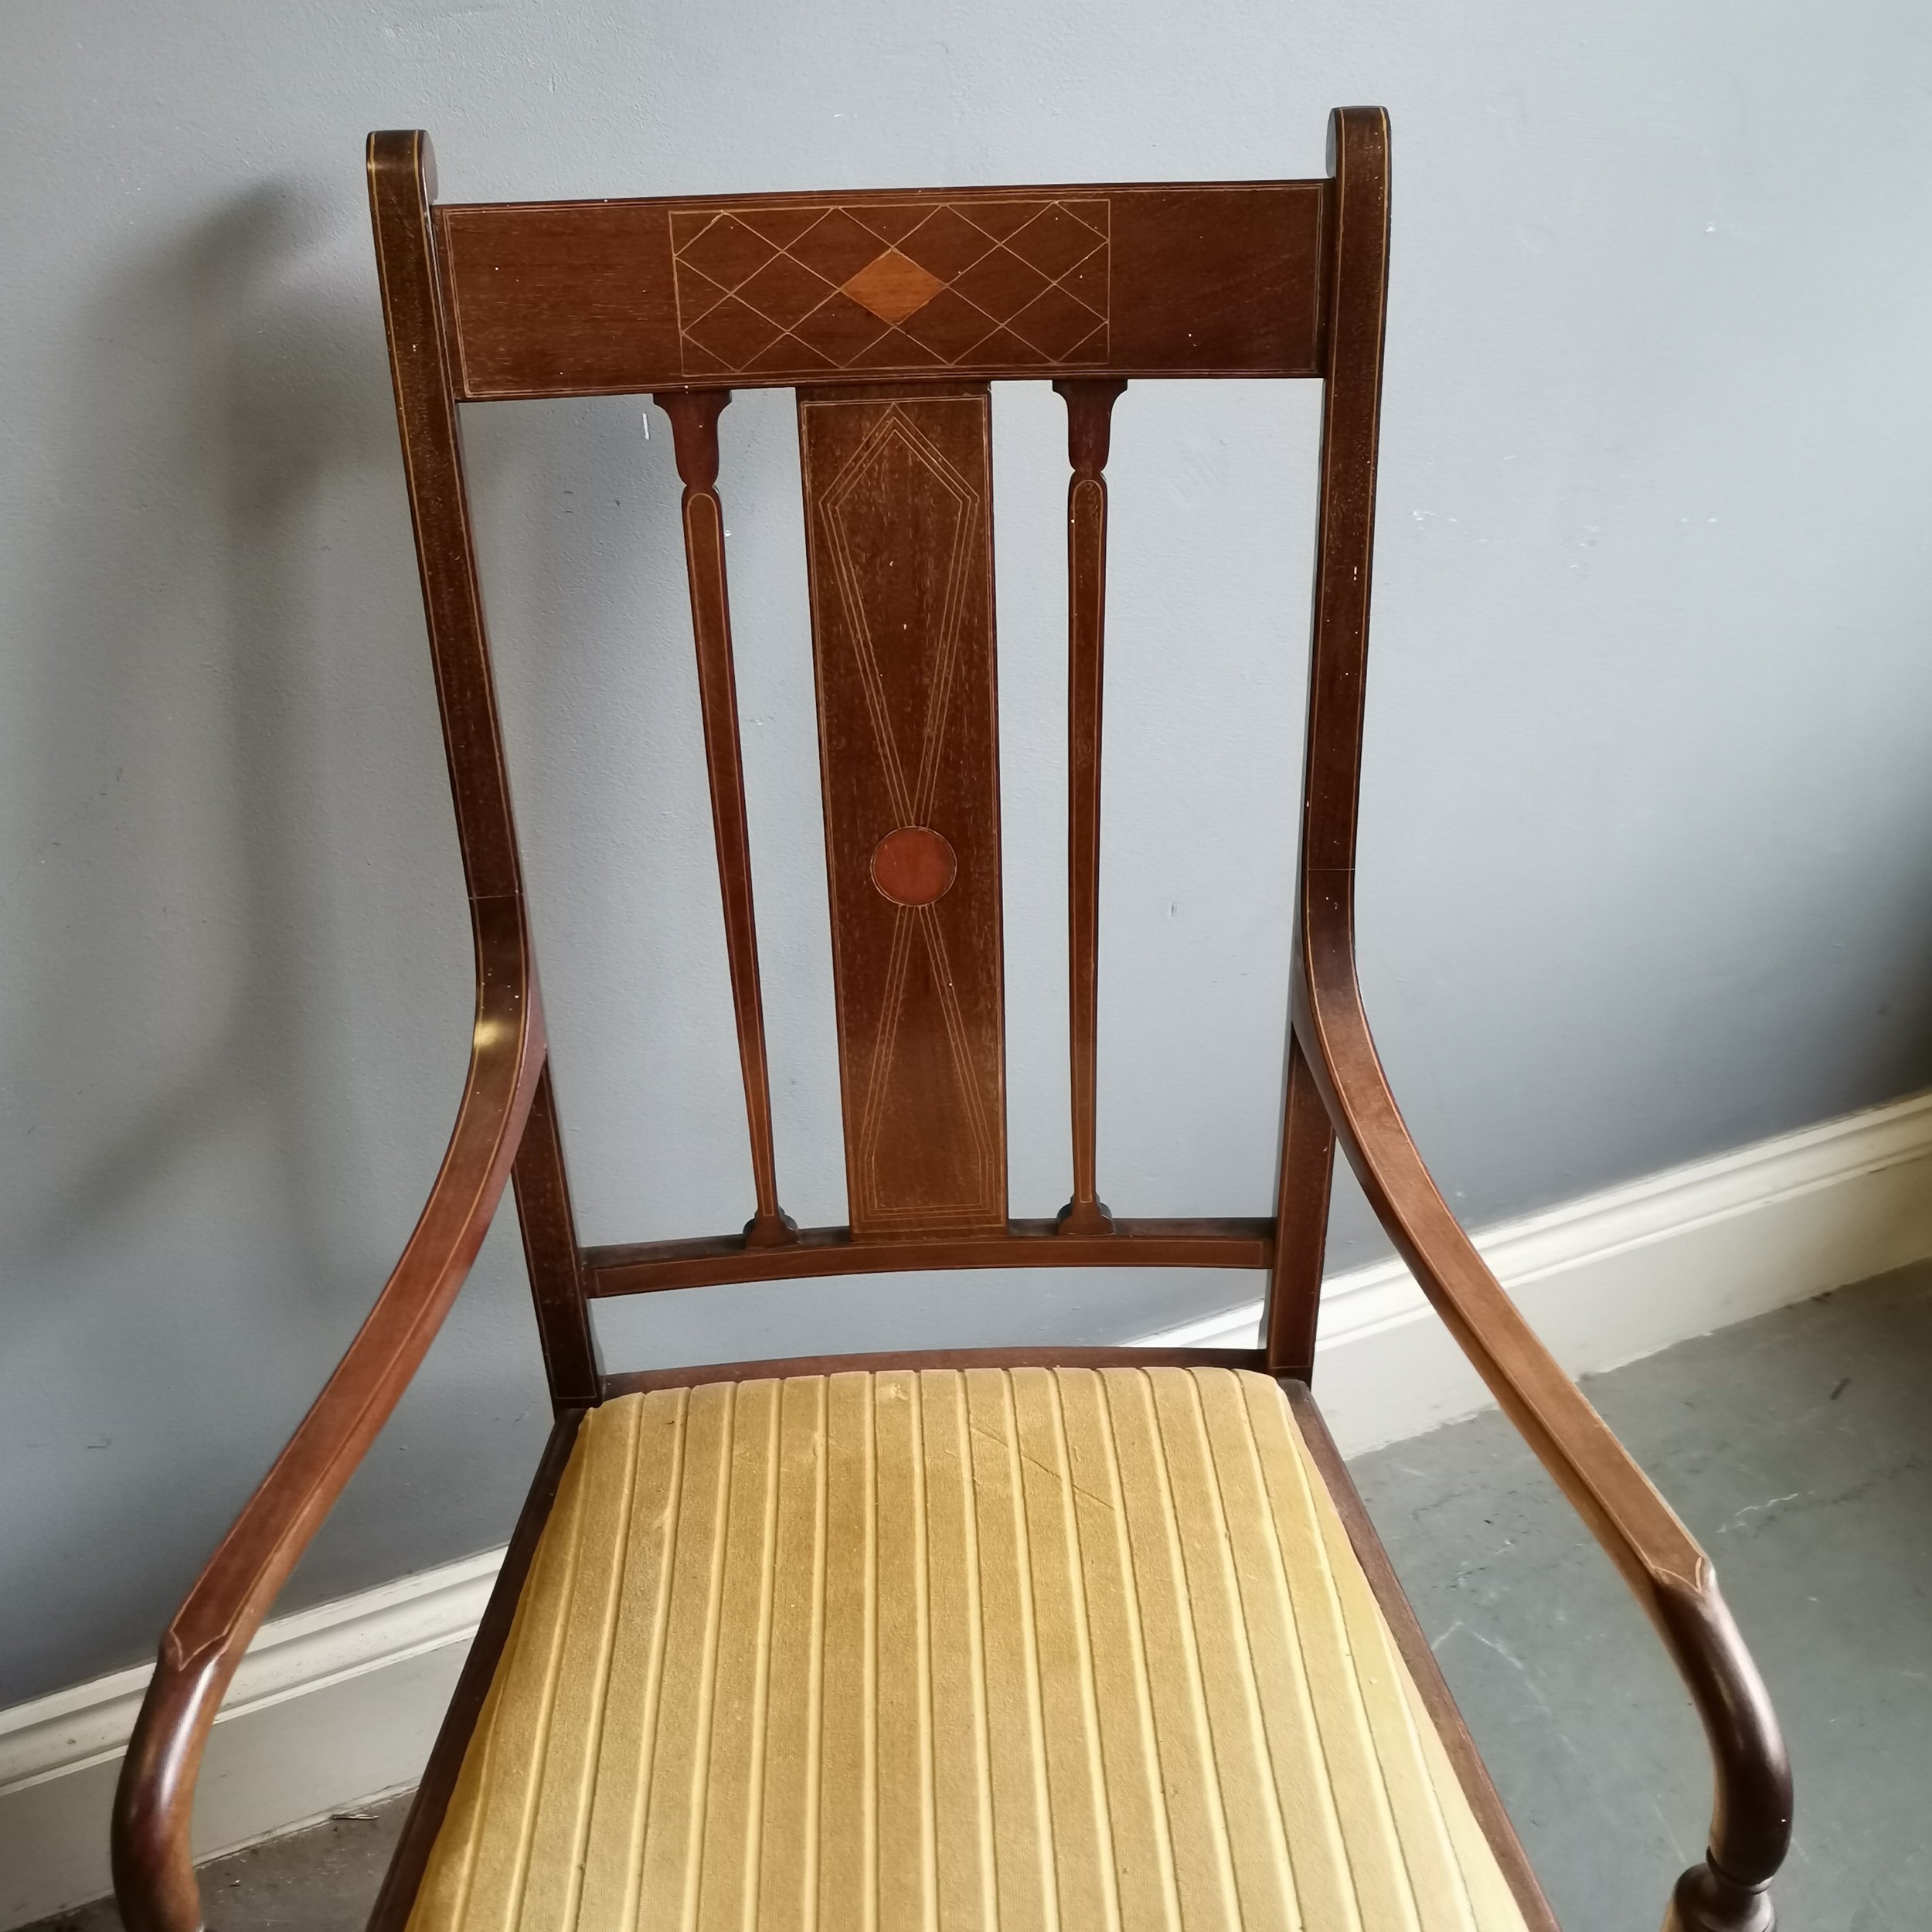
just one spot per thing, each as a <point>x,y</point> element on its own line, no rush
<point>153,1873</point>
<point>1660,1560</point>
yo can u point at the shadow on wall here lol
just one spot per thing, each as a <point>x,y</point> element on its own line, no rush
<point>192,1059</point>
<point>238,438</point>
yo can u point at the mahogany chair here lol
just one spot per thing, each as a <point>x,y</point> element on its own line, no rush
<point>1082,1636</point>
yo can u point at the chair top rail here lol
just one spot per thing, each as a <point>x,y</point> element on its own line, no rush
<point>590,297</point>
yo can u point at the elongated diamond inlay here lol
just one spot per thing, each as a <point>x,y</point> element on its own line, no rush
<point>892,288</point>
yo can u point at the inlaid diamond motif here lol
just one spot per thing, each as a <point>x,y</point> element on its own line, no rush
<point>1004,282</point>
<point>784,290</point>
<point>1055,240</point>
<point>726,250</point>
<point>947,242</point>
<point>892,288</point>
<point>1055,325</point>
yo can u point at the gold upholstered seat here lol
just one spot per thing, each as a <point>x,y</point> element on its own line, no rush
<point>983,1648</point>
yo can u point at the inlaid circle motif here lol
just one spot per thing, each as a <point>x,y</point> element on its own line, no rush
<point>914,865</point>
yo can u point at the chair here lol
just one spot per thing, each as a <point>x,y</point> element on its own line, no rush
<point>1045,1636</point>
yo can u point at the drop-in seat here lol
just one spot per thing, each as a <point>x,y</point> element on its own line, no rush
<point>987,1648</point>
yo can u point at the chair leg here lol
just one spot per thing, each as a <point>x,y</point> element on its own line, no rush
<point>1706,1901</point>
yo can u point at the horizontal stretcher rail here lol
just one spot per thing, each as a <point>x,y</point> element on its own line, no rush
<point>1046,1356</point>
<point>711,1260</point>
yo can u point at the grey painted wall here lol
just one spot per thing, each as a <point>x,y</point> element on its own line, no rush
<point>1649,824</point>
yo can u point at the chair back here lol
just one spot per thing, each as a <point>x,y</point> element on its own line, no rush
<point>890,313</point>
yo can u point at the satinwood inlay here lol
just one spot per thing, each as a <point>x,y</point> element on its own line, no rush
<point>914,866</point>
<point>891,286</point>
<point>900,549</point>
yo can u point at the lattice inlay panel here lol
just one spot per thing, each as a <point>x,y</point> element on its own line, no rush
<point>820,288</point>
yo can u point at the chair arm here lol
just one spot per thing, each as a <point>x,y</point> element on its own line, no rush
<point>153,1869</point>
<point>1659,1559</point>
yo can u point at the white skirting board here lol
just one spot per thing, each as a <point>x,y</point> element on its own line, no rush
<point>330,1706</point>
<point>1609,1277</point>
<point>340,1704</point>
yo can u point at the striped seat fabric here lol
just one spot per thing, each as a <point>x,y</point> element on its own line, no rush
<point>991,1649</point>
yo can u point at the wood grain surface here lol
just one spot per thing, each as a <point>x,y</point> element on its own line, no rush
<point>693,425</point>
<point>566,298</point>
<point>899,540</point>
<point>1090,409</point>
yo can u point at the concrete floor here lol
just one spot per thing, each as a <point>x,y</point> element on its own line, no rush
<point>1798,1448</point>
<point>325,1880</point>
